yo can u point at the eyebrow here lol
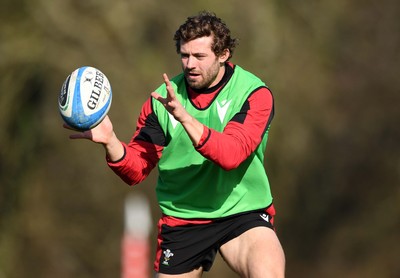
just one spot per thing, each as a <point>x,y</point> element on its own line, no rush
<point>194,54</point>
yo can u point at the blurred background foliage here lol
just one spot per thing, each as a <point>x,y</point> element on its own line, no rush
<point>333,157</point>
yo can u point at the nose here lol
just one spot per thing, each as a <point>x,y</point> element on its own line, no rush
<point>190,63</point>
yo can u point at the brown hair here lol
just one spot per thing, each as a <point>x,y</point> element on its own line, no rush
<point>203,25</point>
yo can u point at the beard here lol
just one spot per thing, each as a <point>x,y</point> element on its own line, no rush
<point>202,79</point>
<point>200,82</point>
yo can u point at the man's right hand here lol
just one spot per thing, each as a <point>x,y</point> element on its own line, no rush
<point>102,134</point>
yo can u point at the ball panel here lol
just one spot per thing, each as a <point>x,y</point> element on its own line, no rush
<point>66,95</point>
<point>85,98</point>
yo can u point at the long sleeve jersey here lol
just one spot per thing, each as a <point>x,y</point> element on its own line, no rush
<point>226,149</point>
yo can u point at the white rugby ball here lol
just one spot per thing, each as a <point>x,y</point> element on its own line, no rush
<point>85,98</point>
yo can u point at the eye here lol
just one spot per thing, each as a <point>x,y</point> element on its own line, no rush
<point>200,56</point>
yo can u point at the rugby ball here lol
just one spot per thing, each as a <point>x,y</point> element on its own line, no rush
<point>85,98</point>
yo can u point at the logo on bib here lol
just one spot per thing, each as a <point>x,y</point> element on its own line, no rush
<point>222,108</point>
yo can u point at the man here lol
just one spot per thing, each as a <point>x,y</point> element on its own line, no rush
<point>206,130</point>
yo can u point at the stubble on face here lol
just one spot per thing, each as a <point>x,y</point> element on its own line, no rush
<point>202,68</point>
<point>203,79</point>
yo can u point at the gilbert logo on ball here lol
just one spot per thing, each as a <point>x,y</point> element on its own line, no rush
<point>85,98</point>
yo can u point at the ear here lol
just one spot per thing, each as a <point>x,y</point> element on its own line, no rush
<point>224,56</point>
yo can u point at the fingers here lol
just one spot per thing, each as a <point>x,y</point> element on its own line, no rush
<point>171,94</point>
<point>67,126</point>
<point>80,135</point>
<point>166,79</point>
<point>168,85</point>
<point>157,96</point>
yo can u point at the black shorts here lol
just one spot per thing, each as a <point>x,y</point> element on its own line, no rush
<point>184,245</point>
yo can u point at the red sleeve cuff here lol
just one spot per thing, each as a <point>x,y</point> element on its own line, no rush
<point>204,137</point>
<point>110,162</point>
